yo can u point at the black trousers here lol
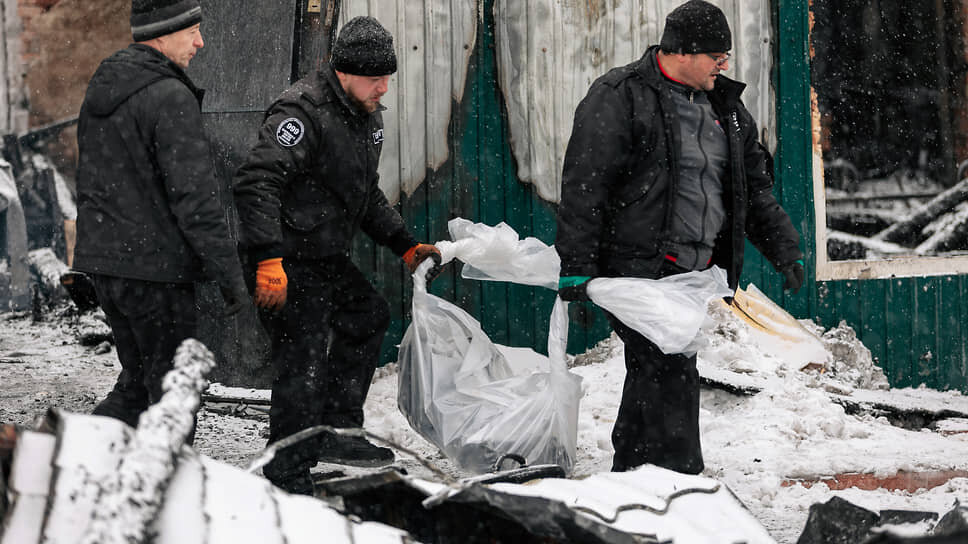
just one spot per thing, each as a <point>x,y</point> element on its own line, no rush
<point>658,418</point>
<point>325,348</point>
<point>149,320</point>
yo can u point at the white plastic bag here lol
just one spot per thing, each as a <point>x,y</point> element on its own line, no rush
<point>496,254</point>
<point>669,311</point>
<point>458,390</point>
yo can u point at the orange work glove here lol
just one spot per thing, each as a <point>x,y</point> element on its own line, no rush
<point>416,255</point>
<point>270,285</point>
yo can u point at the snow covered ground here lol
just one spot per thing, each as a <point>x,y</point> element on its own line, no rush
<point>755,444</point>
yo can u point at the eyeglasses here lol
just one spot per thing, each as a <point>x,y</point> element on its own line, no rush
<point>720,61</point>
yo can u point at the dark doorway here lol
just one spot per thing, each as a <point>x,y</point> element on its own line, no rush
<point>254,50</point>
<point>889,78</point>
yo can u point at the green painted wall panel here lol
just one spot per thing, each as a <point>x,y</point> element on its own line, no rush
<point>957,365</point>
<point>492,190</point>
<point>950,331</point>
<point>873,308</point>
<point>925,329</point>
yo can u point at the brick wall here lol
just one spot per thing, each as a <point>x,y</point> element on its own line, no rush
<point>63,41</point>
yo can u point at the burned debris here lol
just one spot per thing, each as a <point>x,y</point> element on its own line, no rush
<point>37,227</point>
<point>840,521</point>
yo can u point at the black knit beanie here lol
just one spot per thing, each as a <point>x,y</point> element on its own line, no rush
<point>153,18</point>
<point>364,48</point>
<point>696,27</point>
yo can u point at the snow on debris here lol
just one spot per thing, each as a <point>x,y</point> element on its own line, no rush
<point>792,429</point>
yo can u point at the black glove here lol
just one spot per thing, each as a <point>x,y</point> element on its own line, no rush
<point>573,288</point>
<point>234,293</point>
<point>435,269</point>
<point>793,273</point>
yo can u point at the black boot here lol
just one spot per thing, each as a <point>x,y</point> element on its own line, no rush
<point>296,481</point>
<point>354,451</point>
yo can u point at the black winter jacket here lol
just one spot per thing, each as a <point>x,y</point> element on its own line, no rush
<point>148,205</point>
<point>621,172</point>
<point>311,182</point>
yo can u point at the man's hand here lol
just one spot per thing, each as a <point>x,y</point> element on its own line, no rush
<point>793,272</point>
<point>270,285</point>
<point>417,254</point>
<point>573,288</point>
<point>234,294</point>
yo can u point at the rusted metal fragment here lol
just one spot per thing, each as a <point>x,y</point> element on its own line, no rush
<point>900,481</point>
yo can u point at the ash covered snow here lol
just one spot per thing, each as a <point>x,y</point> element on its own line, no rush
<point>758,445</point>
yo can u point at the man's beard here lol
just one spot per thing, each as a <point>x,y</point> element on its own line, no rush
<point>362,105</point>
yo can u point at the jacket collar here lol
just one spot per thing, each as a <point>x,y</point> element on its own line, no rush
<point>128,71</point>
<point>163,65</point>
<point>727,91</point>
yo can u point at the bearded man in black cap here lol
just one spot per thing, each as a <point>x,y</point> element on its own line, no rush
<point>307,187</point>
<point>149,222</point>
<point>663,175</point>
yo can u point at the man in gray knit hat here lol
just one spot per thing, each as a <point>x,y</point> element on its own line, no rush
<point>663,175</point>
<point>149,225</point>
<point>307,188</point>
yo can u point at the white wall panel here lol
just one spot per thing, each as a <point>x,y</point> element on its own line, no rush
<point>550,51</point>
<point>433,40</point>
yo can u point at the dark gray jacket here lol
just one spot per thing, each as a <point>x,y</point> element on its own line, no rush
<point>148,205</point>
<point>620,179</point>
<point>311,182</point>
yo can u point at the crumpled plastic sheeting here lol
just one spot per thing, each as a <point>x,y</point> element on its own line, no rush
<point>669,311</point>
<point>459,392</point>
<point>496,254</point>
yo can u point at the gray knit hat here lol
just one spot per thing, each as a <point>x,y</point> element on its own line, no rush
<point>364,48</point>
<point>696,27</point>
<point>153,18</point>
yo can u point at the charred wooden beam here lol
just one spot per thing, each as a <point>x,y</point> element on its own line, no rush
<point>842,246</point>
<point>92,331</point>
<point>951,233</point>
<point>856,198</point>
<point>859,221</point>
<point>908,231</point>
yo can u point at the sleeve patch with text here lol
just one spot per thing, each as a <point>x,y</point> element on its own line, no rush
<point>290,132</point>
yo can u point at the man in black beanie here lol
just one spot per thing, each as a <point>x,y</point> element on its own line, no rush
<point>663,175</point>
<point>307,187</point>
<point>149,225</point>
